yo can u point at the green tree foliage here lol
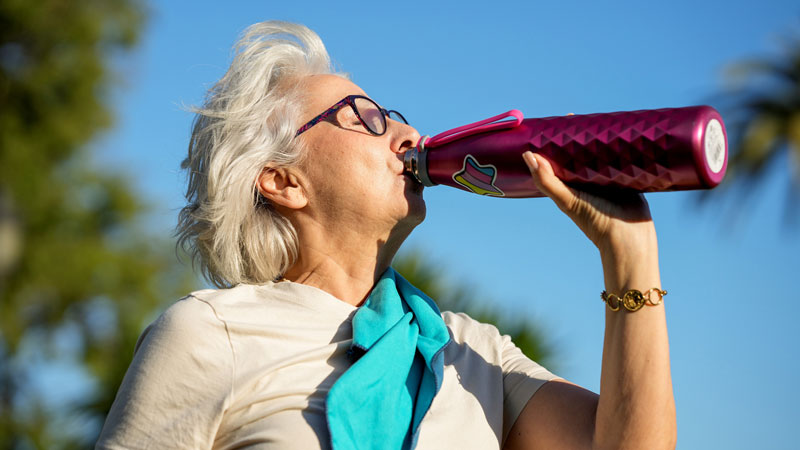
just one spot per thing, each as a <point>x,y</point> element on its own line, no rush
<point>78,276</point>
<point>463,297</point>
<point>762,110</point>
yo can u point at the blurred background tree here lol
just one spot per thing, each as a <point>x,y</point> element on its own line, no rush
<point>79,274</point>
<point>762,113</point>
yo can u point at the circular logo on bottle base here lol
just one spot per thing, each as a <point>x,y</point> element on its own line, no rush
<point>714,145</point>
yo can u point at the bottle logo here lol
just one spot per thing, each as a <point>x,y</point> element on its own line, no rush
<point>478,178</point>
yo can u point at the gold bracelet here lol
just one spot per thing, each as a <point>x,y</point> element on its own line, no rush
<point>633,300</point>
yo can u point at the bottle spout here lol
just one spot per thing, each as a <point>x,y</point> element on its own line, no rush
<point>415,162</point>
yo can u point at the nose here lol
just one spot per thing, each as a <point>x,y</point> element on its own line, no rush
<point>404,137</point>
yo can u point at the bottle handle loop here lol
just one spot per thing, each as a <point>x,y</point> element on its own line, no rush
<point>490,124</point>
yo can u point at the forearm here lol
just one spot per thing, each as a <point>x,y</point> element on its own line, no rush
<point>636,408</point>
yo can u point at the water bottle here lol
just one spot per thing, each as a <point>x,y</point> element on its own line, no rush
<point>667,149</point>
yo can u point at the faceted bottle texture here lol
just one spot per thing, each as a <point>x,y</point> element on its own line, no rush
<point>649,150</point>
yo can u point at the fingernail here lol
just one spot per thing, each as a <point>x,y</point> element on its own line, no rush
<point>532,162</point>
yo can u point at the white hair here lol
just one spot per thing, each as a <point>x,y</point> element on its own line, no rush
<point>247,122</point>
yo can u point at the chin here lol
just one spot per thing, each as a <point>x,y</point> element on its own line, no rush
<point>413,215</point>
<point>416,208</point>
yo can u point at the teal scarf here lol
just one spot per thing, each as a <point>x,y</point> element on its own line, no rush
<point>380,401</point>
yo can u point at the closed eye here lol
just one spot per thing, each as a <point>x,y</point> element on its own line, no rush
<point>348,119</point>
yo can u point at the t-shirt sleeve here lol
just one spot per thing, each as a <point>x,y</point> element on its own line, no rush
<point>178,384</point>
<point>522,377</point>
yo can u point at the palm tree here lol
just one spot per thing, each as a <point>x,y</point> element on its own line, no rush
<point>460,297</point>
<point>763,121</point>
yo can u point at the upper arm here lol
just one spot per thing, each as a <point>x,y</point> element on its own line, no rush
<point>560,415</point>
<point>177,385</point>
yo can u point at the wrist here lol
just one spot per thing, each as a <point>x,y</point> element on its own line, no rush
<point>630,261</point>
<point>630,240</point>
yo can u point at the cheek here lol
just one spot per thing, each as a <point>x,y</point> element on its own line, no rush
<point>334,179</point>
<point>359,169</point>
<point>351,169</point>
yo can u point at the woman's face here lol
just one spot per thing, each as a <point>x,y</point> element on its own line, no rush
<point>355,179</point>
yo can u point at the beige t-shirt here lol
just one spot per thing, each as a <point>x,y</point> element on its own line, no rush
<point>251,366</point>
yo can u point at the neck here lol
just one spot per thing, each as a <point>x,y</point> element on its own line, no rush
<point>344,264</point>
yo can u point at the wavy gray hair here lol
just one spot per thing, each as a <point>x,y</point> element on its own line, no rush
<point>247,122</point>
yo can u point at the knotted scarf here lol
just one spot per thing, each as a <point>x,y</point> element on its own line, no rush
<point>379,402</point>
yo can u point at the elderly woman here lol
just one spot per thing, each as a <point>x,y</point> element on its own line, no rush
<point>297,203</point>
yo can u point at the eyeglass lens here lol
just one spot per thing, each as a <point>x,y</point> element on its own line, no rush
<point>397,117</point>
<point>371,115</point>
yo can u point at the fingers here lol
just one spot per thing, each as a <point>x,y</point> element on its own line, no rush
<point>547,182</point>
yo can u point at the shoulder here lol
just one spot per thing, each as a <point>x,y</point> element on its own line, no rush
<point>471,338</point>
<point>191,324</point>
<point>204,310</point>
<point>178,384</point>
<point>464,328</point>
<point>251,301</point>
<point>189,316</point>
<point>217,300</point>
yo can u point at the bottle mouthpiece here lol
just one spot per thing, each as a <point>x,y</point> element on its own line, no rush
<point>415,163</point>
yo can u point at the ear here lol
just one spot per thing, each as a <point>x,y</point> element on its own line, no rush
<point>281,187</point>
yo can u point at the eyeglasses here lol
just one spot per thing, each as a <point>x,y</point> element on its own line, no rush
<point>369,114</point>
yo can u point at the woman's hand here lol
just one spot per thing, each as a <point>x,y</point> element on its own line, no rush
<point>618,225</point>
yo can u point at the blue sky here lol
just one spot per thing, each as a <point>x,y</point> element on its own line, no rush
<point>732,292</point>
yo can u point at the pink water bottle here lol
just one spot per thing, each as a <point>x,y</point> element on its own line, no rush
<point>649,150</point>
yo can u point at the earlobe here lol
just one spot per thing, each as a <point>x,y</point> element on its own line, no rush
<point>281,187</point>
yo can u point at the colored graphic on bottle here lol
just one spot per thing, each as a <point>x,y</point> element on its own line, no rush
<point>478,178</point>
